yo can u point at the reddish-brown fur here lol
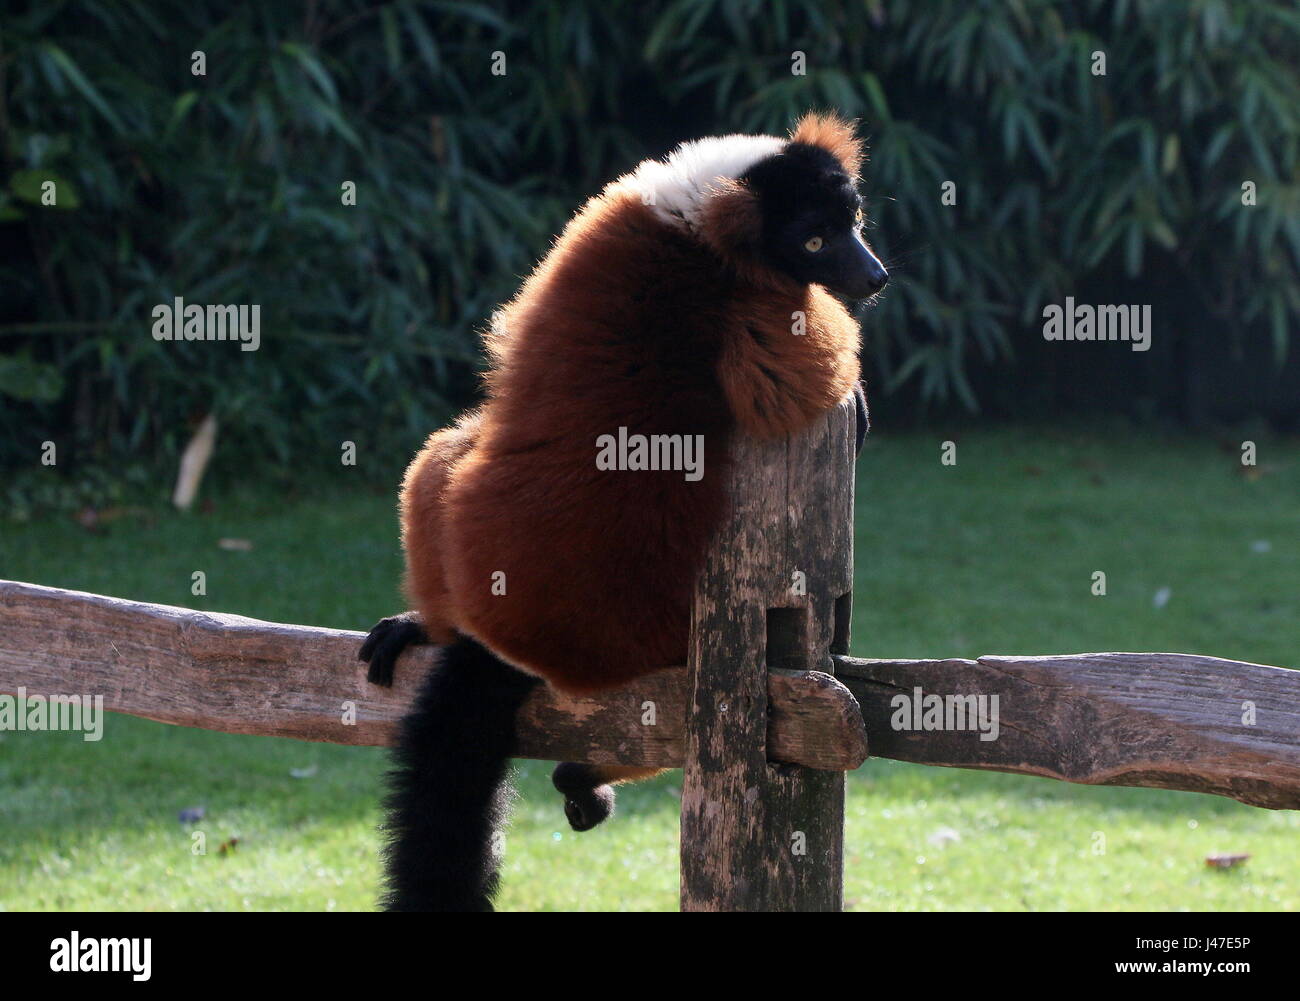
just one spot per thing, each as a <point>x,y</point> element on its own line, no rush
<point>834,135</point>
<point>422,517</point>
<point>628,321</point>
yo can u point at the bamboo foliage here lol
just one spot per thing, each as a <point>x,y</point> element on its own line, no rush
<point>225,187</point>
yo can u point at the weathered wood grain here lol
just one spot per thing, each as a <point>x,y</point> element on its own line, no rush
<point>1163,720</point>
<point>1158,720</point>
<point>241,675</point>
<point>757,836</point>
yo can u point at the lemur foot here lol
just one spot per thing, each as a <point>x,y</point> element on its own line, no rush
<point>585,804</point>
<point>385,643</point>
<point>585,810</point>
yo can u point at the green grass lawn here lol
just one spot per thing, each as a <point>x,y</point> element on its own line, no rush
<point>992,555</point>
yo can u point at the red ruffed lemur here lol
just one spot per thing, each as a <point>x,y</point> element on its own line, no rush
<point>690,297</point>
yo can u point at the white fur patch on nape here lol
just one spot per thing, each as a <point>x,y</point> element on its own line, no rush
<point>676,186</point>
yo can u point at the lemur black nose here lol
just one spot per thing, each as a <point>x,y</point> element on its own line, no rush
<point>871,281</point>
<point>871,275</point>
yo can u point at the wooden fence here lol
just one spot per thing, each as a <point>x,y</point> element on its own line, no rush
<point>765,718</point>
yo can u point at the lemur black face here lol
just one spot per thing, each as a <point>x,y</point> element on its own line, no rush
<point>812,217</point>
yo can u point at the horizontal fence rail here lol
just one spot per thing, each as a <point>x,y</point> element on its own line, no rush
<point>241,675</point>
<point>1162,720</point>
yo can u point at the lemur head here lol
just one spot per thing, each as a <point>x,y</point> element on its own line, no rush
<point>789,205</point>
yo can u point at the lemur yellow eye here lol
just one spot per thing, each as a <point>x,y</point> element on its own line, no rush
<point>858,218</point>
<point>813,245</point>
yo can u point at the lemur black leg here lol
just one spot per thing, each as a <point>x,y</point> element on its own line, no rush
<point>385,642</point>
<point>589,789</point>
<point>864,416</point>
<point>588,798</point>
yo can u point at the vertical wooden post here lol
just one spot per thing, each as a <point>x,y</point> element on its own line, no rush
<point>773,595</point>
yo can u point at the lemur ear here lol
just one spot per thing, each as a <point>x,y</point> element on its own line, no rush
<point>833,134</point>
<point>730,220</point>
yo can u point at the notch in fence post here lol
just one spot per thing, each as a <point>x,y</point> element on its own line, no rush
<point>772,595</point>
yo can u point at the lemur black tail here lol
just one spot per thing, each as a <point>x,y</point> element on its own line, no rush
<point>448,792</point>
